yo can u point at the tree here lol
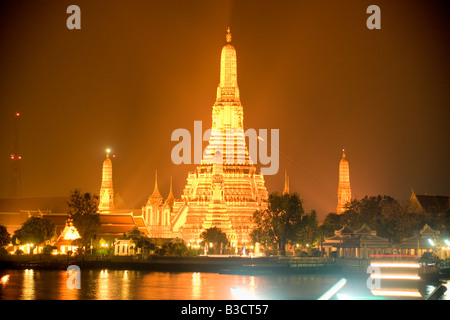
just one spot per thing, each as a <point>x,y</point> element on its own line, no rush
<point>258,236</point>
<point>281,222</point>
<point>140,240</point>
<point>35,230</point>
<point>396,223</point>
<point>83,212</point>
<point>177,249</point>
<point>331,223</point>
<point>5,237</point>
<point>381,213</point>
<point>309,232</point>
<point>214,235</point>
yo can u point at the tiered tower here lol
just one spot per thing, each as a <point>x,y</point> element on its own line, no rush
<point>286,183</point>
<point>344,190</point>
<point>106,202</point>
<point>225,190</point>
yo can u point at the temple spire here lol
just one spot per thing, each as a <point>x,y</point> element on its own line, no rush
<point>344,190</point>
<point>170,198</point>
<point>227,130</point>
<point>156,193</point>
<point>228,37</point>
<point>228,72</point>
<point>106,201</point>
<point>286,183</point>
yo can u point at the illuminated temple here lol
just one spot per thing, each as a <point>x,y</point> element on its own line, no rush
<point>344,190</point>
<point>106,199</point>
<point>225,190</point>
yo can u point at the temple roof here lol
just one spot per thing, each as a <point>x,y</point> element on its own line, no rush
<point>58,219</point>
<point>357,241</point>
<point>119,204</point>
<point>422,240</point>
<point>14,212</point>
<point>114,230</point>
<point>363,237</point>
<point>50,204</point>
<point>13,220</point>
<point>366,230</point>
<point>345,230</point>
<point>431,203</point>
<point>139,221</point>
<point>366,240</point>
<point>111,218</point>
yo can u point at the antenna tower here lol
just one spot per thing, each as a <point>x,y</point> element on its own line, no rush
<point>16,159</point>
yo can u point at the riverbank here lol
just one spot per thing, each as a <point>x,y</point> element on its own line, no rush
<point>218,264</point>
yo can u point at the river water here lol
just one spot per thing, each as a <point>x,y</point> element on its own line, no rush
<point>149,285</point>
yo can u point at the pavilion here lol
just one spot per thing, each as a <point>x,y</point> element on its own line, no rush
<point>360,244</point>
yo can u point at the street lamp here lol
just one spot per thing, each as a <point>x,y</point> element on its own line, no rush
<point>431,242</point>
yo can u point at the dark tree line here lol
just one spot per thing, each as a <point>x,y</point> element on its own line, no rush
<point>387,216</point>
<point>285,222</point>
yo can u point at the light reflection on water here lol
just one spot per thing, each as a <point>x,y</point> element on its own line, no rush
<point>28,292</point>
<point>145,285</point>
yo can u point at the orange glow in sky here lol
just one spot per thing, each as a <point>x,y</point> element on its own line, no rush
<point>312,69</point>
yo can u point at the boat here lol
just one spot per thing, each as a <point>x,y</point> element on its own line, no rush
<point>430,266</point>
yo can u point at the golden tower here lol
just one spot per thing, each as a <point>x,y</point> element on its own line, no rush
<point>106,201</point>
<point>286,183</point>
<point>344,190</point>
<point>225,190</point>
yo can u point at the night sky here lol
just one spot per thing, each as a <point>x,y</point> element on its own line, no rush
<point>138,70</point>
